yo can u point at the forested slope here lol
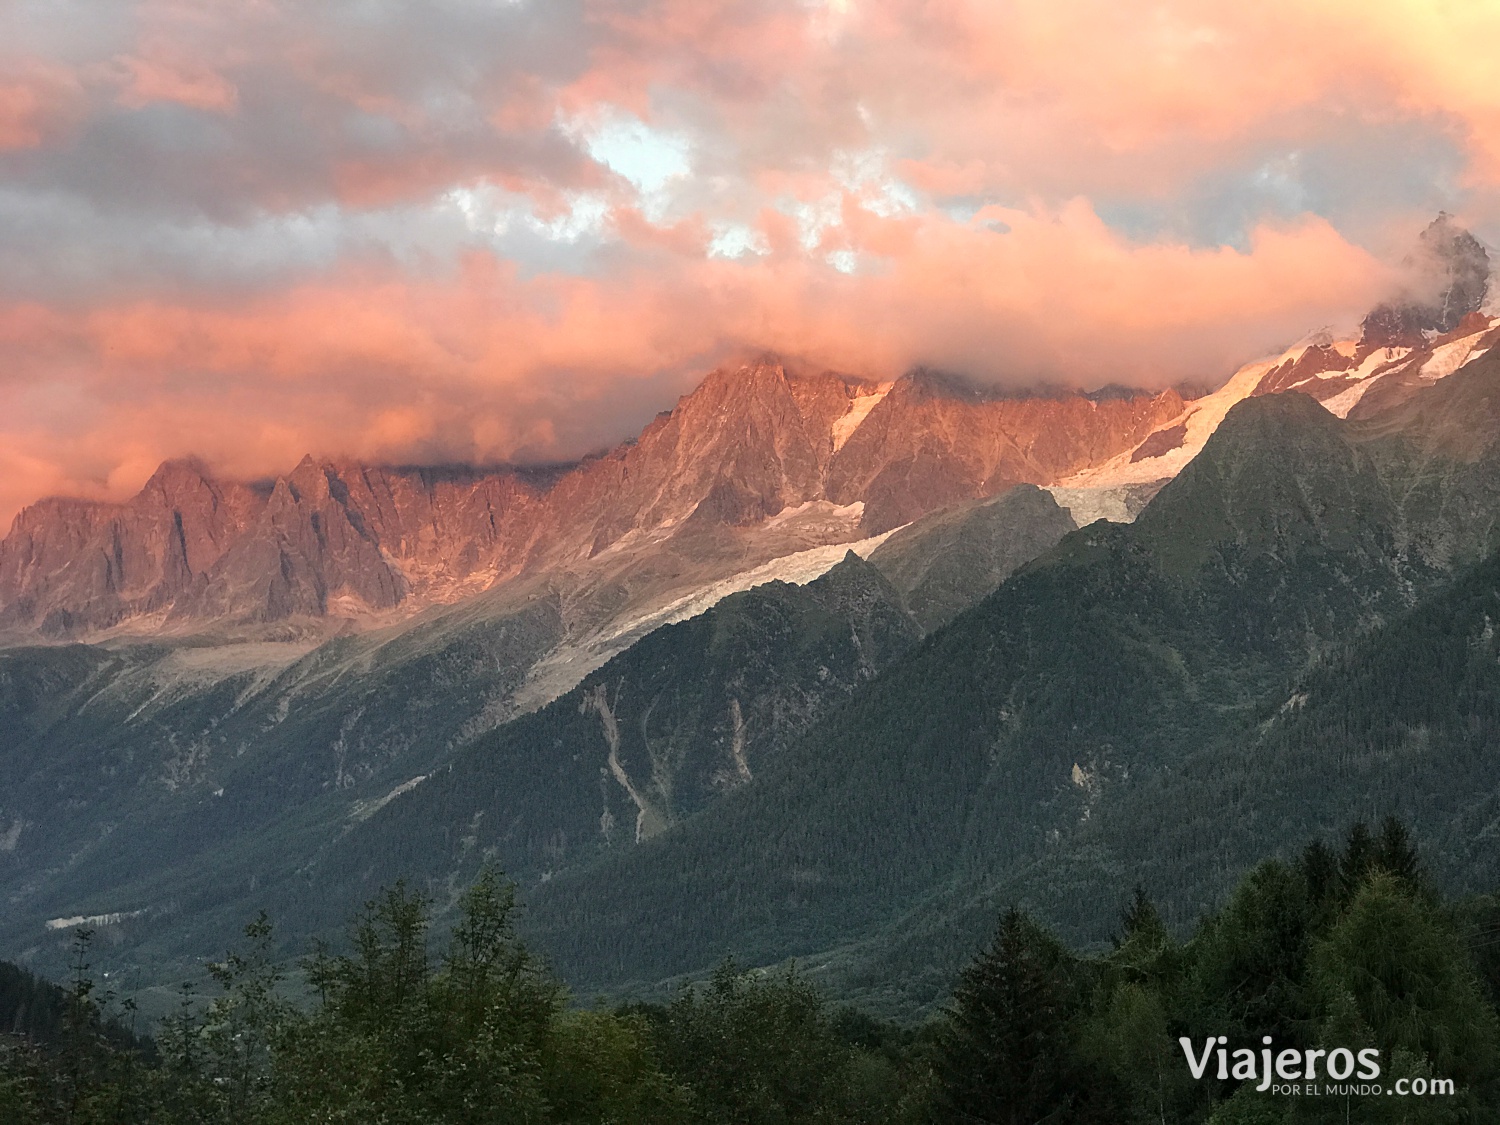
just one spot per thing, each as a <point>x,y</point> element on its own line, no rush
<point>1102,715</point>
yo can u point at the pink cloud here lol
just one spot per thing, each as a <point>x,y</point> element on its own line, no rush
<point>488,365</point>
<point>38,100</point>
<point>814,129</point>
<point>181,81</point>
<point>1047,94</point>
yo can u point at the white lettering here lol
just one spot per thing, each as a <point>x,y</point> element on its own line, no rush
<point>1289,1064</point>
<point>1335,1070</point>
<point>1197,1066</point>
<point>1244,1067</point>
<point>1312,1062</point>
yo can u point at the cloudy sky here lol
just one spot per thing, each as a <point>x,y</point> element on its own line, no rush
<point>490,229</point>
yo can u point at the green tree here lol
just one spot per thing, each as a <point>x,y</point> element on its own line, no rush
<point>1396,854</point>
<point>600,1068</point>
<point>1319,868</point>
<point>396,1040</point>
<point>1010,1053</point>
<point>1130,1029</point>
<point>1394,969</point>
<point>237,1036</point>
<point>761,1049</point>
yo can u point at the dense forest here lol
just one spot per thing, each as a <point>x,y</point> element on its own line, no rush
<point>1347,957</point>
<point>1221,661</point>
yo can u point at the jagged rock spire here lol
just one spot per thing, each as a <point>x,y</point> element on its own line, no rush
<point>1450,273</point>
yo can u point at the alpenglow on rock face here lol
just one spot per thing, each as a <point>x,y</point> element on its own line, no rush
<point>735,459</point>
<point>189,547</point>
<point>1453,271</point>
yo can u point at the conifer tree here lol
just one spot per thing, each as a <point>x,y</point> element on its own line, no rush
<point>1319,868</point>
<point>1397,966</point>
<point>1396,854</point>
<point>1009,1056</point>
<point>1361,854</point>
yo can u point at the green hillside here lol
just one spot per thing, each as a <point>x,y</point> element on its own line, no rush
<point>1098,720</point>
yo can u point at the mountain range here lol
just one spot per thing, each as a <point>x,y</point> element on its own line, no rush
<point>815,667</point>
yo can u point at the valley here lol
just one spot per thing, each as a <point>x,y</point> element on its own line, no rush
<point>815,668</point>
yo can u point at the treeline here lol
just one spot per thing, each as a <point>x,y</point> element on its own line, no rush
<point>480,1034</point>
<point>1349,949</point>
<point>29,1005</point>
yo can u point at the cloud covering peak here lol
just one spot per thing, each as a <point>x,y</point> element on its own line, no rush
<point>496,229</point>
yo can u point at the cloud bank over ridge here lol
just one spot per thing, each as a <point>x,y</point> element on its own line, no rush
<point>484,229</point>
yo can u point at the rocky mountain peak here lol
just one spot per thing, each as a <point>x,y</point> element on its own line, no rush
<point>177,476</point>
<point>309,481</point>
<point>753,442</point>
<point>1448,279</point>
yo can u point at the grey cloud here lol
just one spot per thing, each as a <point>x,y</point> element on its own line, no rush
<point>404,89</point>
<point>389,103</point>
<point>58,249</point>
<point>1357,178</point>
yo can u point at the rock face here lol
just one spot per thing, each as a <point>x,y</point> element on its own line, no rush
<point>69,564</point>
<point>339,540</point>
<point>758,462</point>
<point>324,540</point>
<point>1452,271</point>
<point>933,441</point>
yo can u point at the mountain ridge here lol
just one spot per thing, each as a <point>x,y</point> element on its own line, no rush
<point>340,540</point>
<point>808,666</point>
<point>975,767</point>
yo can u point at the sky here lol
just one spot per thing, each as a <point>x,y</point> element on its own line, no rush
<point>422,231</point>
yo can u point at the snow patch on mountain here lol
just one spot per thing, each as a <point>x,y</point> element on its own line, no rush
<point>1343,402</point>
<point>571,661</point>
<point>1116,503</point>
<point>1201,417</point>
<point>77,920</point>
<point>1451,356</point>
<point>818,516</point>
<point>859,410</point>
<point>1380,357</point>
<point>798,569</point>
<point>1377,362</point>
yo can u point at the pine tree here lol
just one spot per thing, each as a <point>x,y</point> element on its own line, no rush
<point>1009,1055</point>
<point>1360,857</point>
<point>1250,957</point>
<point>1399,968</point>
<point>1319,868</point>
<point>1396,854</point>
<point>1141,921</point>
